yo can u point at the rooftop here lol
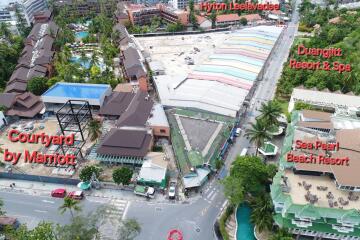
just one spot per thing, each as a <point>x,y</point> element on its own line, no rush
<point>129,143</point>
<point>298,191</point>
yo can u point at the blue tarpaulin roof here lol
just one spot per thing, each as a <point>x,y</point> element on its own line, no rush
<point>222,174</point>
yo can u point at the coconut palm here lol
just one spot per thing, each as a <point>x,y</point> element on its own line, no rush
<point>70,204</point>
<point>281,234</point>
<point>4,30</point>
<point>261,214</point>
<point>94,59</point>
<point>270,112</point>
<point>94,129</point>
<point>258,133</point>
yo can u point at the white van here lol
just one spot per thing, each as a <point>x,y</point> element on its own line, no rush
<point>244,152</point>
<point>238,132</point>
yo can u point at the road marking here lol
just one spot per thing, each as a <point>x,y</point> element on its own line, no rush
<point>213,196</point>
<point>40,211</point>
<point>210,194</point>
<point>47,201</point>
<point>125,211</point>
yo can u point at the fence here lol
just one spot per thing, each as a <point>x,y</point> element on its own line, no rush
<point>47,179</point>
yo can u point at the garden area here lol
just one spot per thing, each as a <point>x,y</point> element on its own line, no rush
<point>85,48</point>
<point>337,28</point>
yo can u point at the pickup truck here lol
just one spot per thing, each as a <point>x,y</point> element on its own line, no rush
<point>145,191</point>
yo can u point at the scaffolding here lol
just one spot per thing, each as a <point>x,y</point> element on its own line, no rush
<point>73,118</point>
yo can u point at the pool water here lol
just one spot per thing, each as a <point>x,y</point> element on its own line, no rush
<point>81,35</point>
<point>86,64</point>
<point>245,229</point>
<point>74,90</point>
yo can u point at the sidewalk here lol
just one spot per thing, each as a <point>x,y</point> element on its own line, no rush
<point>44,189</point>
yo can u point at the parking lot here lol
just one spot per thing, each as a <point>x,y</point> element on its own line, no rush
<point>171,51</point>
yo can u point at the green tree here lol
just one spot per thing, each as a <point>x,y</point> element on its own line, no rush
<point>261,214</point>
<point>234,190</point>
<point>94,60</point>
<point>122,175</point>
<point>281,234</point>
<point>43,230</point>
<point>37,85</point>
<point>70,204</point>
<point>5,31</point>
<point>252,171</point>
<point>129,229</point>
<point>80,228</point>
<point>94,129</point>
<point>218,164</point>
<point>301,106</point>
<point>213,17</point>
<point>2,212</point>
<point>21,23</point>
<point>243,21</point>
<point>87,172</point>
<point>270,112</point>
<point>258,133</point>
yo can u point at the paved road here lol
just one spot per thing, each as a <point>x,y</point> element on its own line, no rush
<point>195,220</point>
<point>31,209</point>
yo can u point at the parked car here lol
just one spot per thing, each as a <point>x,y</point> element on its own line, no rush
<point>77,195</point>
<point>238,132</point>
<point>59,193</point>
<point>172,190</point>
<point>145,191</point>
<point>8,221</point>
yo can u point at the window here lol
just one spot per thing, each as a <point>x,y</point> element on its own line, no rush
<point>162,131</point>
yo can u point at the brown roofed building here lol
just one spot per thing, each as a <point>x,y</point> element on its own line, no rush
<point>138,111</point>
<point>22,105</point>
<point>134,68</point>
<point>125,143</point>
<point>116,104</point>
<point>139,14</point>
<point>35,61</point>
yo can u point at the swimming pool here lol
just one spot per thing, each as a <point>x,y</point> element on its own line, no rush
<point>62,92</point>
<point>81,35</point>
<point>245,229</point>
<point>86,64</point>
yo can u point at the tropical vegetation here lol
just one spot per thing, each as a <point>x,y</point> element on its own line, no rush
<point>94,129</point>
<point>70,205</point>
<point>343,34</point>
<point>122,175</point>
<point>87,172</point>
<point>81,227</point>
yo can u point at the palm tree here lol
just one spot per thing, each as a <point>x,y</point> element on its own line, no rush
<point>94,129</point>
<point>94,59</point>
<point>261,214</point>
<point>213,17</point>
<point>4,30</point>
<point>281,234</point>
<point>70,204</point>
<point>258,133</point>
<point>270,112</point>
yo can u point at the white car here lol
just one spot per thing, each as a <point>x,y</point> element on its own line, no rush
<point>172,190</point>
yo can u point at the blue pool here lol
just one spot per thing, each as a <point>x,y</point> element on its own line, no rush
<point>81,35</point>
<point>245,229</point>
<point>77,90</point>
<point>85,64</point>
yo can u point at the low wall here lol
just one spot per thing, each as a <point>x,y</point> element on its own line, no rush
<point>47,179</point>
